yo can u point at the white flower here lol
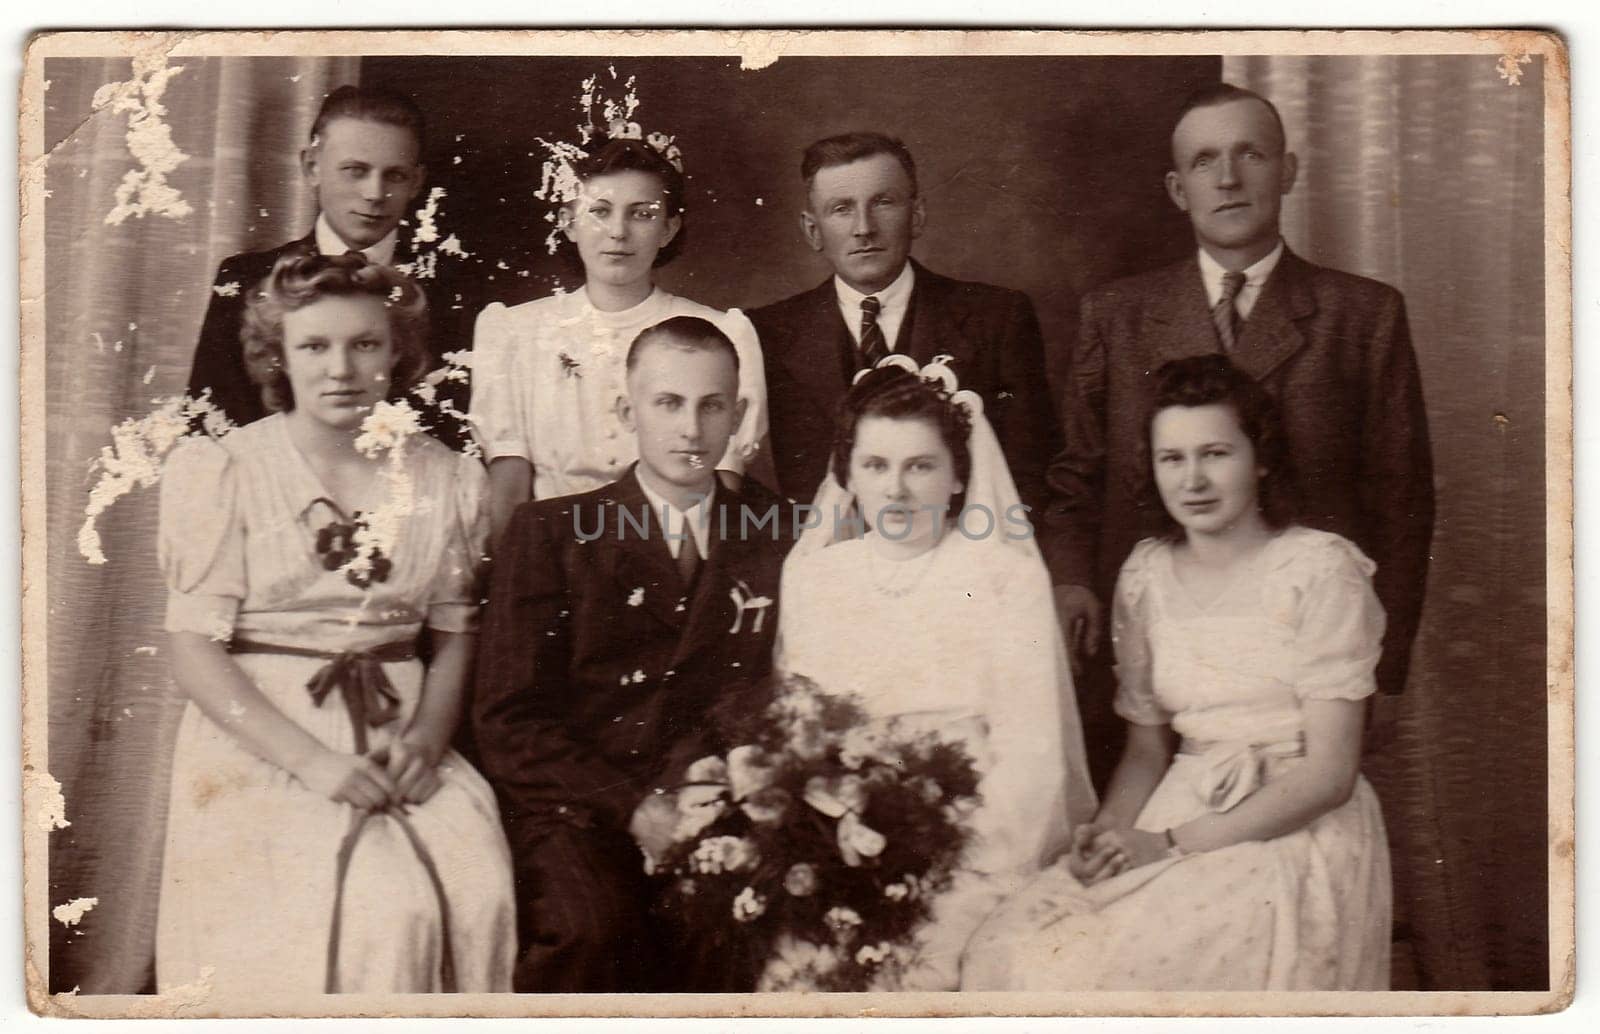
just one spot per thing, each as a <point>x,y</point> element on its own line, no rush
<point>748,905</point>
<point>227,290</point>
<point>724,854</point>
<point>842,920</point>
<point>872,954</point>
<point>636,597</point>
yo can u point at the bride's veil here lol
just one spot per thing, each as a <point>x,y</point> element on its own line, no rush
<point>989,487</point>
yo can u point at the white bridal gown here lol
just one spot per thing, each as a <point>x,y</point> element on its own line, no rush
<point>962,640</point>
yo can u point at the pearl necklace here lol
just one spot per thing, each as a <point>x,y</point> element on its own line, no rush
<point>897,579</point>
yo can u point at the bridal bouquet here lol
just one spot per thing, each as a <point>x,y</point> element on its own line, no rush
<point>816,846</point>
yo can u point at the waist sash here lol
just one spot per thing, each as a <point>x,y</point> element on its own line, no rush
<point>1236,769</point>
<point>371,701</point>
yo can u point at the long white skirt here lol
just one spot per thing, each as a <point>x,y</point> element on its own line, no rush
<point>247,888</point>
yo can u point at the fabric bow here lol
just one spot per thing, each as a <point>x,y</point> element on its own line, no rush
<point>368,694</point>
<point>744,598</point>
<point>844,798</point>
<point>1235,771</point>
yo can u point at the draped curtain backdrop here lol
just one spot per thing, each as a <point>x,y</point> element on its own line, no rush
<point>1424,172</point>
<point>1427,173</point>
<point>123,307</point>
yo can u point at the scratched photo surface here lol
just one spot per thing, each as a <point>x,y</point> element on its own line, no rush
<point>1042,173</point>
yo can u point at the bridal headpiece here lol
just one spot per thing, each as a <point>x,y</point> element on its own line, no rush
<point>936,374</point>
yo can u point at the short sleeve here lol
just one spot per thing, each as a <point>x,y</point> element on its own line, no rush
<point>1130,637</point>
<point>497,416</point>
<point>1338,622</point>
<point>752,389</point>
<point>456,593</point>
<point>200,540</point>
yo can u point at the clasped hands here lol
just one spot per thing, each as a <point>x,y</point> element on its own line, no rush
<point>1101,852</point>
<point>403,772</point>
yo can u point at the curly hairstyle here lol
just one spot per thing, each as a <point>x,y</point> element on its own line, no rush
<point>296,281</point>
<point>899,394</point>
<point>1212,380</point>
<point>606,155</point>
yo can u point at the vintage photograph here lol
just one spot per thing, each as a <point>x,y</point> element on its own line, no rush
<point>682,523</point>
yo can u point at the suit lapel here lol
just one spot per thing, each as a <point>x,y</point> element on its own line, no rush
<point>1270,335</point>
<point>711,610</point>
<point>817,351</point>
<point>1178,322</point>
<point>644,568</point>
<point>934,322</point>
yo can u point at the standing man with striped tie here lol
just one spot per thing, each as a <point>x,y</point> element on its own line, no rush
<point>862,213</point>
<point>1333,348</point>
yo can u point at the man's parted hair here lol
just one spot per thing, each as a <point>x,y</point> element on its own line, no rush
<point>1215,94</point>
<point>852,147</point>
<point>371,104</point>
<point>690,333</point>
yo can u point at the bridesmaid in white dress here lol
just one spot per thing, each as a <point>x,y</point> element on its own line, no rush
<point>547,374</point>
<point>1255,857</point>
<point>947,627</point>
<point>322,836</point>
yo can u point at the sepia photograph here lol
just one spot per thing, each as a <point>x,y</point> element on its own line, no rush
<point>669,523</point>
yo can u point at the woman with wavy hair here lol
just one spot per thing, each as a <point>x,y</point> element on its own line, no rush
<point>322,835</point>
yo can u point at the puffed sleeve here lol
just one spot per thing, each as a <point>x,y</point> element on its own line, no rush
<point>752,389</point>
<point>1338,619</point>
<point>498,413</point>
<point>794,618</point>
<point>457,590</point>
<point>1130,637</point>
<point>200,542</point>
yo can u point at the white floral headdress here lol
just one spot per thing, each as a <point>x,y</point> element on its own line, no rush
<point>603,115</point>
<point>938,375</point>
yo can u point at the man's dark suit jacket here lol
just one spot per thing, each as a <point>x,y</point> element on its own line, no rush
<point>991,332</point>
<point>597,674</point>
<point>1333,349</point>
<point>219,354</point>
<point>596,671</point>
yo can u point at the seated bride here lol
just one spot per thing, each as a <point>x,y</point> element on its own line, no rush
<point>922,592</point>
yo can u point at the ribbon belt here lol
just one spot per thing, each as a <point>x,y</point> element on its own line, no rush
<point>371,701</point>
<point>369,696</point>
<point>1235,770</point>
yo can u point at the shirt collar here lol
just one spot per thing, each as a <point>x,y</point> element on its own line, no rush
<point>898,291</point>
<point>1211,270</point>
<point>696,520</point>
<point>330,243</point>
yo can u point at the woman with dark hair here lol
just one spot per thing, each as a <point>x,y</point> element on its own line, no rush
<point>547,374</point>
<point>922,593</point>
<point>322,836</point>
<point>1254,857</point>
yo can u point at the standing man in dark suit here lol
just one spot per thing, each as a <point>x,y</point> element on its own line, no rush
<point>364,162</point>
<point>862,213</point>
<point>606,642</point>
<point>1333,348</point>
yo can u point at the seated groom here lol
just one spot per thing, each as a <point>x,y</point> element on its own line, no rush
<point>862,213</point>
<point>616,619</point>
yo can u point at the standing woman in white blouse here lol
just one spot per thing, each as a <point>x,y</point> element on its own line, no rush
<point>547,374</point>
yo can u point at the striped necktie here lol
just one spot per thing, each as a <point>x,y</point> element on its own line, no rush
<point>688,556</point>
<point>1223,314</point>
<point>873,345</point>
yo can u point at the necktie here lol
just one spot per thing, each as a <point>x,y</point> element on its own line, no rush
<point>688,557</point>
<point>1223,314</point>
<point>873,345</point>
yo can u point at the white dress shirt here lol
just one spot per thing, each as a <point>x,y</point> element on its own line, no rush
<point>330,243</point>
<point>1254,278</point>
<point>675,520</point>
<point>894,299</point>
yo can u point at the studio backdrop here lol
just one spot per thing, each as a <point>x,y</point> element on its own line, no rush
<point>1041,174</point>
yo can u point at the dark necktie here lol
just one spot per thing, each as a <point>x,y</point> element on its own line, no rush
<point>873,345</point>
<point>688,556</point>
<point>1223,314</point>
